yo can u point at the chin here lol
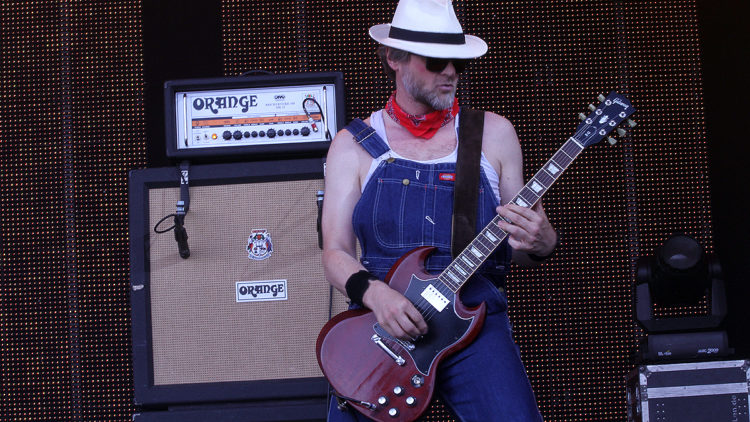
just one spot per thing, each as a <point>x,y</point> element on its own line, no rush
<point>441,102</point>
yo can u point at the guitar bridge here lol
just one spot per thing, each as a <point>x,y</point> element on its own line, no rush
<point>396,358</point>
<point>384,335</point>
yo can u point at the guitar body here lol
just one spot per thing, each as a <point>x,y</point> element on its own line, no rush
<point>364,364</point>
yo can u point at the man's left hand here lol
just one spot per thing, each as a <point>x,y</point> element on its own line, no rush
<point>529,230</point>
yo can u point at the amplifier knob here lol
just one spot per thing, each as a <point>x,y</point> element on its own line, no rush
<point>246,134</point>
<point>288,132</point>
<point>227,135</point>
<point>237,135</point>
<point>271,133</point>
<point>254,134</point>
<point>262,134</point>
<point>295,132</point>
<point>280,133</point>
<point>305,131</point>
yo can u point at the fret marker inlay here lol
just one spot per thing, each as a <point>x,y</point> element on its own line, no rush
<point>453,276</point>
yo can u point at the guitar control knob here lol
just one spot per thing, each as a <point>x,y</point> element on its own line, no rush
<point>411,401</point>
<point>397,390</point>
<point>382,400</point>
<point>393,412</point>
<point>417,380</point>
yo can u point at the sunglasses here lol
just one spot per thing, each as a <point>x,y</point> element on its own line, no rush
<point>438,65</point>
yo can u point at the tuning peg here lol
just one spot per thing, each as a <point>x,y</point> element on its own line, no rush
<point>611,140</point>
<point>602,98</point>
<point>592,107</point>
<point>621,131</point>
<point>632,123</point>
<point>581,116</point>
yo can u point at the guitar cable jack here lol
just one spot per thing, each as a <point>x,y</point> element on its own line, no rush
<point>343,399</point>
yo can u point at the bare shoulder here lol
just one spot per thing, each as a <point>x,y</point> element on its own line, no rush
<point>500,143</point>
<point>497,121</point>
<point>499,131</point>
<point>346,159</point>
<point>344,142</point>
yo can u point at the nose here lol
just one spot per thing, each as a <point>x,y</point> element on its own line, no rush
<point>450,69</point>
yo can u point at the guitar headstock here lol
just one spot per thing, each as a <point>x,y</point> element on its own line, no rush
<point>604,118</point>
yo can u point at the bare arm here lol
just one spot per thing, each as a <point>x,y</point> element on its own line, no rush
<point>530,231</point>
<point>345,167</point>
<point>342,182</point>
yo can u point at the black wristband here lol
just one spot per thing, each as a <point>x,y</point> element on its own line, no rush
<point>357,284</point>
<point>538,258</point>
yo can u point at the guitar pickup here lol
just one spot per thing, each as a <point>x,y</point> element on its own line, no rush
<point>396,358</point>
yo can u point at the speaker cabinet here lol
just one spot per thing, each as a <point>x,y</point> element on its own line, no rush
<point>237,320</point>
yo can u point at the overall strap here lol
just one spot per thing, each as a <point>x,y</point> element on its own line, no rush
<point>366,136</point>
<point>466,190</point>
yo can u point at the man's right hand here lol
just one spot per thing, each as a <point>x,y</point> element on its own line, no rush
<point>394,312</point>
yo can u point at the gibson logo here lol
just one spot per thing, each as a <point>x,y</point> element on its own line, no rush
<point>255,291</point>
<point>620,103</point>
<point>218,103</point>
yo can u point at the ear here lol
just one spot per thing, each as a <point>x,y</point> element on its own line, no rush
<point>392,63</point>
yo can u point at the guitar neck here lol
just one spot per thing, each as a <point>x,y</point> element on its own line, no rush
<point>471,258</point>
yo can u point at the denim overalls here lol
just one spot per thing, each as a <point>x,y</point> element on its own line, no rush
<point>406,204</point>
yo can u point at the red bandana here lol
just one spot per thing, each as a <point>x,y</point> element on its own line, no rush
<point>424,126</point>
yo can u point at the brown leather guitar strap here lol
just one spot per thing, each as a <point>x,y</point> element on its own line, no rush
<point>466,189</point>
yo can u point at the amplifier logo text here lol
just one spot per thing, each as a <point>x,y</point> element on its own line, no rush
<point>221,103</point>
<point>261,291</point>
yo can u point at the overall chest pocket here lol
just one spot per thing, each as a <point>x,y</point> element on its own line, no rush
<point>408,213</point>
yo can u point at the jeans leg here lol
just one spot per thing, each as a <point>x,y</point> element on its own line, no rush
<point>487,381</point>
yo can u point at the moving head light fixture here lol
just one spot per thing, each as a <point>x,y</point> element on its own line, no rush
<point>680,273</point>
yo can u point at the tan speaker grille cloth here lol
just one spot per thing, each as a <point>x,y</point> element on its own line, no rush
<point>200,332</point>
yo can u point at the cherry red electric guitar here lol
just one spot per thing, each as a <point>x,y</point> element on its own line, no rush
<point>388,379</point>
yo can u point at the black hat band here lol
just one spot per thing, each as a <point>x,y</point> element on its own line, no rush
<point>426,37</point>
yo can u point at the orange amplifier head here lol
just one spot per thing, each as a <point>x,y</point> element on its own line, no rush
<point>251,117</point>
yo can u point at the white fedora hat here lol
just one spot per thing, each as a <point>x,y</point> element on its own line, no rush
<point>429,28</point>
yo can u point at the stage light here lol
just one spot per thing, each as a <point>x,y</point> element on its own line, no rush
<point>680,273</point>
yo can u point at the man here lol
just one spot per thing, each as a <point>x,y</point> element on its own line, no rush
<point>394,192</point>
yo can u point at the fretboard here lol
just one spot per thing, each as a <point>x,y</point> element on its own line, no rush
<point>472,257</point>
